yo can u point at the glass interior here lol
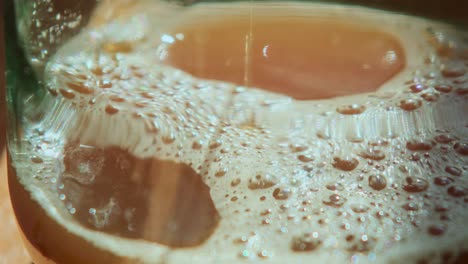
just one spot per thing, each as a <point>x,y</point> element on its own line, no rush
<point>134,118</point>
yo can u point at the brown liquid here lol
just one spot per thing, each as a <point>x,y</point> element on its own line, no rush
<point>159,201</point>
<point>302,57</point>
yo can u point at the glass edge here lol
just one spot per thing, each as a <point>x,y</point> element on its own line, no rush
<point>19,78</point>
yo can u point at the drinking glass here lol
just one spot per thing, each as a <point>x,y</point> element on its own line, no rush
<point>238,131</point>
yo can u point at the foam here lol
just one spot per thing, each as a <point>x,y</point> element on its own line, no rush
<point>244,132</point>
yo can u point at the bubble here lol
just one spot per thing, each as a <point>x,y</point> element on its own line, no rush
<point>305,158</point>
<point>373,153</point>
<point>453,70</point>
<point>381,214</point>
<point>224,150</point>
<point>308,168</point>
<point>36,159</point>
<point>457,191</point>
<point>116,99</point>
<point>263,254</point>
<point>444,139</point>
<point>240,240</point>
<point>297,148</point>
<point>80,88</point>
<point>443,88</point>
<point>197,145</point>
<point>215,144</point>
<point>323,134</point>
<point>235,182</point>
<point>462,90</point>
<point>453,170</point>
<point>364,244</point>
<point>306,242</point>
<point>168,139</point>
<point>68,94</point>
<point>461,148</point>
<point>353,109</point>
<point>359,208</point>
<point>147,95</point>
<point>244,254</point>
<point>430,96</point>
<point>97,71</point>
<point>415,157</point>
<point>105,84</point>
<point>335,186</point>
<point>346,164</point>
<point>416,88</point>
<point>436,230</point>
<point>415,184</point>
<point>221,173</point>
<point>53,92</point>
<point>335,200</point>
<point>281,193</point>
<point>377,182</point>
<point>411,206</point>
<point>265,212</point>
<point>442,180</point>
<point>419,145</point>
<point>410,104</point>
<point>442,207</point>
<point>110,109</point>
<point>261,182</point>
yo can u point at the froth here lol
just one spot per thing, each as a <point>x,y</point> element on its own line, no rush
<point>330,179</point>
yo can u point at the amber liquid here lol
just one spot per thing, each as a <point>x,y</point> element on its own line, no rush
<point>303,57</point>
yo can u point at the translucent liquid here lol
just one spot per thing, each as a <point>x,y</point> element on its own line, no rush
<point>216,162</point>
<point>303,57</point>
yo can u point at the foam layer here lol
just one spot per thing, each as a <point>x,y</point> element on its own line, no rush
<point>375,177</point>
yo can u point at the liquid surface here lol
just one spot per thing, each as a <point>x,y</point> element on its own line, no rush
<point>110,189</point>
<point>376,177</point>
<point>299,56</point>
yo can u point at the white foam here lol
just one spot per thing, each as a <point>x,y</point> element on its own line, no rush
<point>256,129</point>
